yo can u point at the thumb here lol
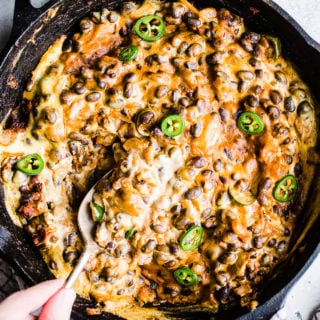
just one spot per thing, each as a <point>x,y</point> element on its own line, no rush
<point>59,306</point>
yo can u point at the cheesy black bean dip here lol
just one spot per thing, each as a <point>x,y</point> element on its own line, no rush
<point>207,129</point>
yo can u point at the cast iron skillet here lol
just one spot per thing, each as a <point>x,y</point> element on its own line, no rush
<point>35,30</point>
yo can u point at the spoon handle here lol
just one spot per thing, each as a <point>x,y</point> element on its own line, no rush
<point>79,267</point>
<point>86,253</point>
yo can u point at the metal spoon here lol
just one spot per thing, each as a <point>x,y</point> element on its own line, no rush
<point>86,225</point>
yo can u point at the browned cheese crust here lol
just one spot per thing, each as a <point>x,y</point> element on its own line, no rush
<point>83,103</point>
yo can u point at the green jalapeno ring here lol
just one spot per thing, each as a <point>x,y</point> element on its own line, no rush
<point>98,211</point>
<point>250,123</point>
<point>128,53</point>
<point>148,31</point>
<point>186,277</point>
<point>284,192</point>
<point>192,238</point>
<point>129,233</point>
<point>31,164</point>
<point>173,125</point>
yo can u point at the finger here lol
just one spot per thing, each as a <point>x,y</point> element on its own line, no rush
<point>59,307</point>
<point>29,300</point>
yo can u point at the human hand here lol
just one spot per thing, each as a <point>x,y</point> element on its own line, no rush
<point>57,302</point>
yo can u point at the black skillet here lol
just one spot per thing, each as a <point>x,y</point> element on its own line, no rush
<point>36,29</point>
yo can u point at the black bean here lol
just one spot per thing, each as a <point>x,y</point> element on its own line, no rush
<point>130,77</point>
<point>286,140</point>
<point>304,107</point>
<point>228,153</point>
<point>207,174</point>
<point>169,264</point>
<point>247,45</point>
<point>265,260</point>
<point>128,7</point>
<point>206,213</point>
<point>243,86</point>
<point>272,242</point>
<point>122,250</point>
<point>184,101</point>
<point>53,265</point>
<point>259,73</point>
<point>128,90</point>
<point>120,292</point>
<point>265,184</point>
<point>218,165</point>
<point>194,23</point>
<point>194,193</point>
<point>50,115</point>
<point>281,77</point>
<point>257,89</point>
<point>191,65</point>
<point>113,17</point>
<point>275,97</point>
<point>258,242</point>
<point>210,223</point>
<point>70,255</point>
<point>67,45</point>
<point>149,246</point>
<point>70,239</point>
<point>162,91</point>
<point>194,50</point>
<point>176,208</point>
<point>275,209</point>
<point>175,249</point>
<point>177,10</point>
<point>86,24</point>
<point>93,97</point>
<point>263,199</point>
<point>251,36</point>
<point>146,117</point>
<point>66,97</point>
<point>286,232</point>
<point>111,245</point>
<point>214,58</point>
<point>298,169</point>
<point>196,130</point>
<point>289,104</point>
<point>199,162</point>
<point>245,75</point>
<point>224,114</point>
<point>175,95</point>
<point>228,258</point>
<point>159,228</point>
<point>251,101</point>
<point>254,62</point>
<point>273,112</point>
<point>101,84</point>
<point>79,88</point>
<point>222,294</point>
<point>281,246</point>
<point>182,222</point>
<point>289,159</point>
<point>283,131</point>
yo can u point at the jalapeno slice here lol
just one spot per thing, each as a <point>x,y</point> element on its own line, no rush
<point>129,53</point>
<point>150,28</point>
<point>172,125</point>
<point>250,123</point>
<point>129,233</point>
<point>98,212</point>
<point>31,165</point>
<point>286,188</point>
<point>192,238</point>
<point>186,277</point>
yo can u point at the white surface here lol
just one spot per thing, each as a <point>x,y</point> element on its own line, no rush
<point>305,296</point>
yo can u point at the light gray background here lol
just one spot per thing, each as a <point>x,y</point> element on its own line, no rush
<point>305,296</point>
